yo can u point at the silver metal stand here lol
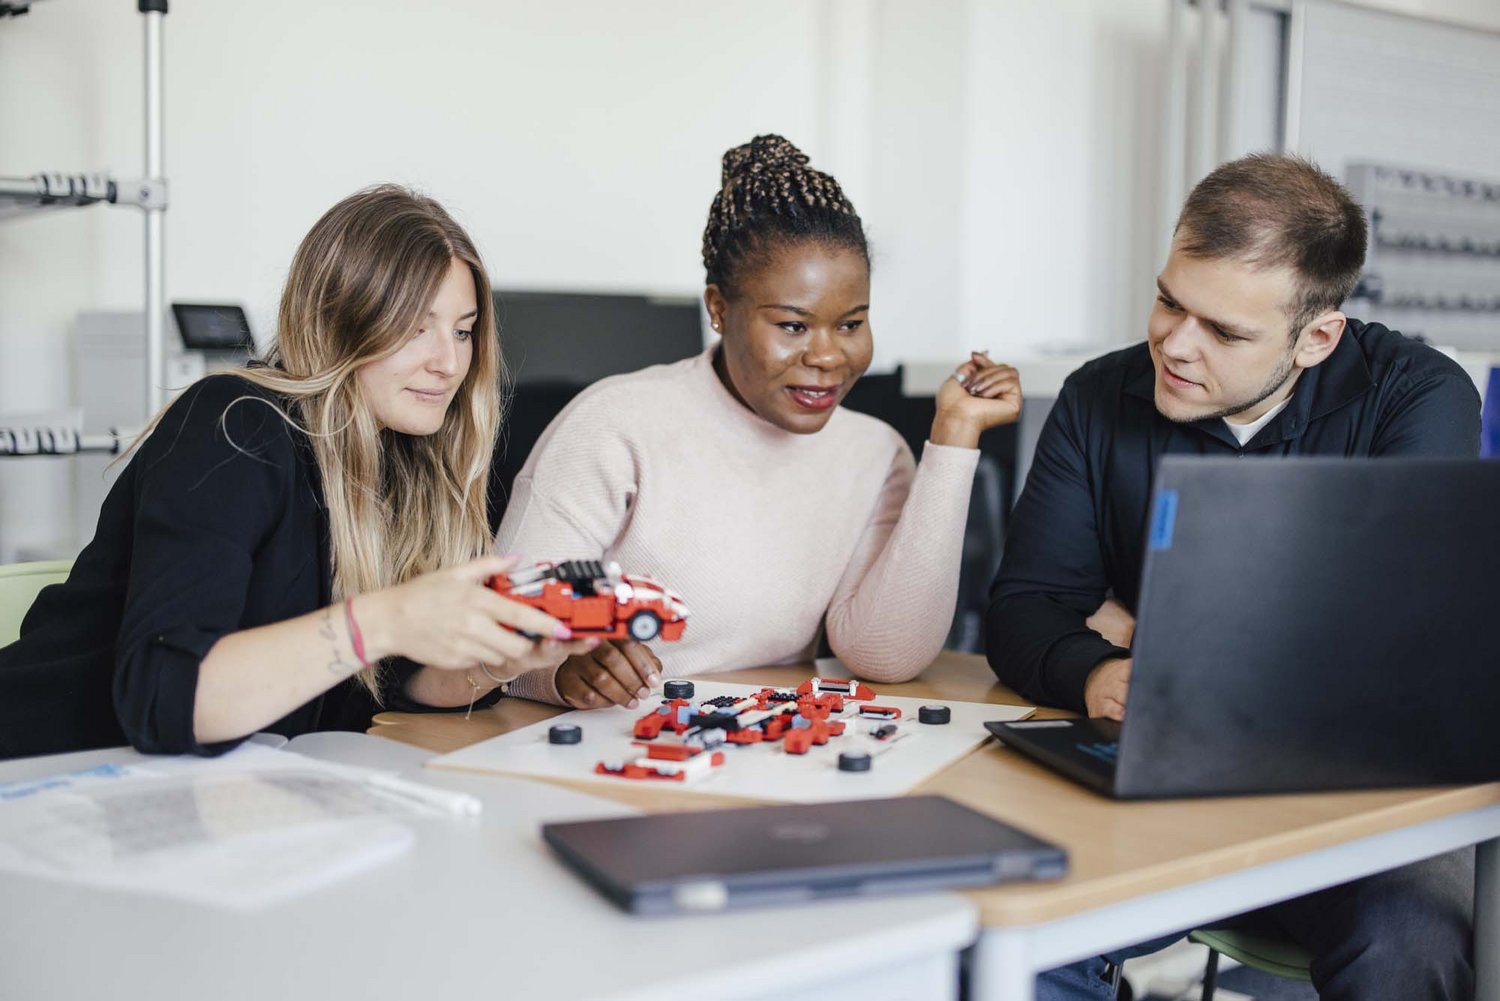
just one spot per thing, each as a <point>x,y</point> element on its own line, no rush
<point>156,260</point>
<point>41,440</point>
<point>40,192</point>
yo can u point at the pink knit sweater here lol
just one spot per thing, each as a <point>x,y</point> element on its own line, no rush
<point>766,534</point>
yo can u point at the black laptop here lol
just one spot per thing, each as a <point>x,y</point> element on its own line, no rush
<point>720,859</point>
<point>1304,624</point>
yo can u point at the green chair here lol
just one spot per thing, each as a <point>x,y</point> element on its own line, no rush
<point>19,584</point>
<point>1258,944</point>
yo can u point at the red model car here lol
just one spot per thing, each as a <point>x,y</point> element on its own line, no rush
<point>595,599</point>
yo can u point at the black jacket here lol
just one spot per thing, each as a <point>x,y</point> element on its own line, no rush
<point>215,525</point>
<point>1078,530</point>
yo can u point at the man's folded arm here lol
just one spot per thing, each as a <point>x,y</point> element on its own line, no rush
<point>1052,577</point>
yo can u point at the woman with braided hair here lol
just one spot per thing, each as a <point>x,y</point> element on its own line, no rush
<point>736,476</point>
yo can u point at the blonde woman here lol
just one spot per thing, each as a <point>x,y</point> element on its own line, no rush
<point>295,544</point>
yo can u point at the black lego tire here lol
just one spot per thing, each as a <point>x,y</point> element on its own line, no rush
<point>855,761</point>
<point>677,689</point>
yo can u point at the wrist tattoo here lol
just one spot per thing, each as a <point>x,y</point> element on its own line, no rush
<point>338,665</point>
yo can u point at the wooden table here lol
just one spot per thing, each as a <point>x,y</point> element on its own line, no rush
<point>1137,870</point>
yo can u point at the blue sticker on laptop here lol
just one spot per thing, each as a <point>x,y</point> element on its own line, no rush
<point>1163,519</point>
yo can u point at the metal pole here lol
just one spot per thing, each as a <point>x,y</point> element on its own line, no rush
<point>1173,181</point>
<point>27,189</point>
<point>1205,144</point>
<point>1291,121</point>
<point>1231,119</point>
<point>156,298</point>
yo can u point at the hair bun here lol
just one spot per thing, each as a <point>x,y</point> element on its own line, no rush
<point>768,154</point>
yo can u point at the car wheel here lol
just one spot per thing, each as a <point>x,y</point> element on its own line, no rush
<point>644,626</point>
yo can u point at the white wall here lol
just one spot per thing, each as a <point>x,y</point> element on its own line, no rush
<point>1004,155</point>
<point>579,142</point>
<point>1063,143</point>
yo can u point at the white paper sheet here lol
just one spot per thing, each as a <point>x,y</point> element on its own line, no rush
<point>249,829</point>
<point>757,771</point>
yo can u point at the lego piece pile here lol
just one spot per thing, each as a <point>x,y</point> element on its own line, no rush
<point>800,718</point>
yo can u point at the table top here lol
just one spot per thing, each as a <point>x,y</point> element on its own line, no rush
<point>1117,850</point>
<point>474,908</point>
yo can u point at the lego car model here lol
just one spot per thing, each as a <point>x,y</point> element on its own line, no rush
<point>596,599</point>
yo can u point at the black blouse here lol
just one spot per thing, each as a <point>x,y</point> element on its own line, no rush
<point>216,524</point>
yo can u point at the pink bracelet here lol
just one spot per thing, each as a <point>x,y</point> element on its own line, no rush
<point>355,639</point>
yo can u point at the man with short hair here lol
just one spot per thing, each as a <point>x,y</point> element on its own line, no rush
<point>1247,354</point>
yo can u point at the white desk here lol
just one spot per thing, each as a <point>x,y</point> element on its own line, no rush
<point>474,910</point>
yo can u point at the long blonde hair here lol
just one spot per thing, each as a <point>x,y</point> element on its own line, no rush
<point>362,279</point>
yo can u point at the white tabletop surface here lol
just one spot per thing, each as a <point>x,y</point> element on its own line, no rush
<point>473,908</point>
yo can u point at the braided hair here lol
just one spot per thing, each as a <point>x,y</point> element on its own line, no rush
<point>769,197</point>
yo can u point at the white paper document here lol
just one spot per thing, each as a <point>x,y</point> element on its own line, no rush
<point>246,830</point>
<point>758,771</point>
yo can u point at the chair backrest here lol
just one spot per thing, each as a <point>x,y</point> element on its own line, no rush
<point>19,584</point>
<point>1489,437</point>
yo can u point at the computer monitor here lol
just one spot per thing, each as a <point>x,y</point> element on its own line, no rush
<point>580,337</point>
<point>213,328</point>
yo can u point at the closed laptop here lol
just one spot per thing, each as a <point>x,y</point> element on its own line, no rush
<point>720,859</point>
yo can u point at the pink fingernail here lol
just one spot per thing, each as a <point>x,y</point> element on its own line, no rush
<point>593,642</point>
<point>562,632</point>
